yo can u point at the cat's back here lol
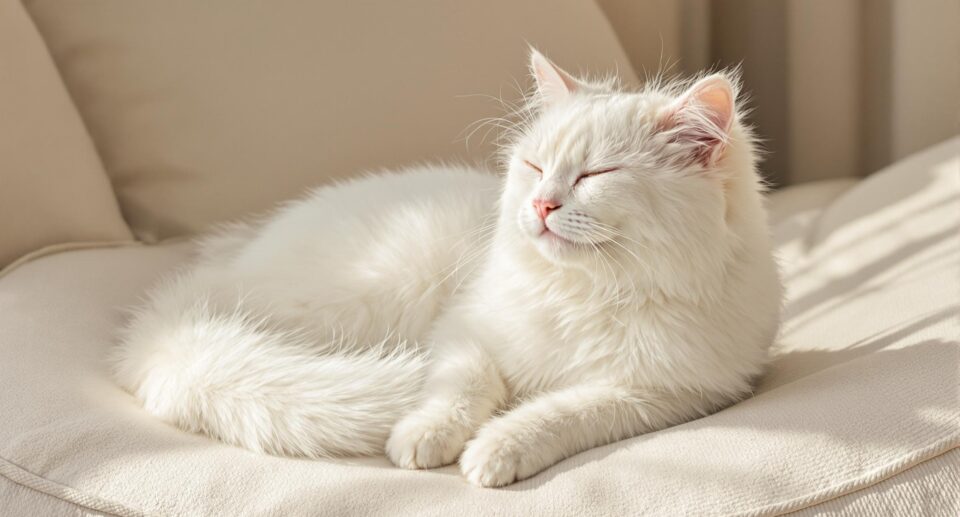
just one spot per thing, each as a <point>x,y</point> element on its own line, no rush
<point>372,254</point>
<point>376,209</point>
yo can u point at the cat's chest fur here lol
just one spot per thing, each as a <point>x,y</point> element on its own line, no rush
<point>547,337</point>
<point>544,354</point>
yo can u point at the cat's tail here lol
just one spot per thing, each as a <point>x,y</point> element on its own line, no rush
<point>230,376</point>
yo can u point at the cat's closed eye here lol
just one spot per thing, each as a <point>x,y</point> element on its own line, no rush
<point>534,167</point>
<point>595,173</point>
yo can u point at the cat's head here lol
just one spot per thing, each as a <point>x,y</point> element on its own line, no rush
<point>604,177</point>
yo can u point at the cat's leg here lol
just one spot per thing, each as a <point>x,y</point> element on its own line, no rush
<point>462,391</point>
<point>559,424</point>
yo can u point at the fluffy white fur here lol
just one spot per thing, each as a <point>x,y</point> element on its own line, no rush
<point>414,311</point>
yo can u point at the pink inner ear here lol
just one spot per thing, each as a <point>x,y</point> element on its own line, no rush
<point>553,83</point>
<point>716,99</point>
<point>703,117</point>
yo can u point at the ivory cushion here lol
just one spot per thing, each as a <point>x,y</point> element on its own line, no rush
<point>858,414</point>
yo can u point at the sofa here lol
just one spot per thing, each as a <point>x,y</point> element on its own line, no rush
<point>127,128</point>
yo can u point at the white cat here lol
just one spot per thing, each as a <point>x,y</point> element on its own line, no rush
<point>623,283</point>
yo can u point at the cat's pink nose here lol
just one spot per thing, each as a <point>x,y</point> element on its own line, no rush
<point>545,206</point>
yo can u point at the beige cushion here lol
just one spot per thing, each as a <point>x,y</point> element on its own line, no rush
<point>860,401</point>
<point>52,186</point>
<point>931,488</point>
<point>805,198</point>
<point>204,111</point>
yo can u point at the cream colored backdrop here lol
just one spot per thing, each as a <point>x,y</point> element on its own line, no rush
<point>839,87</point>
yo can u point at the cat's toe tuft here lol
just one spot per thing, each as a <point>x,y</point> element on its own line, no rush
<point>423,442</point>
<point>488,463</point>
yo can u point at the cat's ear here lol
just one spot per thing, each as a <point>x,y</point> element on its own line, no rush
<point>702,117</point>
<point>553,83</point>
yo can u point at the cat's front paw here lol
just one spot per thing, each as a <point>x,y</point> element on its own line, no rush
<point>423,440</point>
<point>494,460</point>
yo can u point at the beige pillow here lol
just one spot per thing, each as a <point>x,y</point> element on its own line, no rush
<point>204,111</point>
<point>52,186</point>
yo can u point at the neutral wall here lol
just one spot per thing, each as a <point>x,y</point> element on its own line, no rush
<point>823,89</point>
<point>650,31</point>
<point>750,34</point>
<point>925,65</point>
<point>662,36</point>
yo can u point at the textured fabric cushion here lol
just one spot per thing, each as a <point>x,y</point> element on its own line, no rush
<point>805,198</point>
<point>52,186</point>
<point>931,488</point>
<point>204,111</point>
<point>860,402</point>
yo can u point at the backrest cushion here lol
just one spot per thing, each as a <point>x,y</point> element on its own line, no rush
<point>53,188</point>
<point>204,111</point>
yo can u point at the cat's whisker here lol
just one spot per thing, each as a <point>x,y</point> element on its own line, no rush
<point>620,299</point>
<point>613,240</point>
<point>471,254</point>
<point>477,230</point>
<point>598,286</point>
<point>626,273</point>
<point>490,124</point>
<point>614,297</point>
<point>611,235</point>
<point>614,231</point>
<point>454,268</point>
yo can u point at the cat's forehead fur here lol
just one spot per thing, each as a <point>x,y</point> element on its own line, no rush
<point>594,127</point>
<point>602,120</point>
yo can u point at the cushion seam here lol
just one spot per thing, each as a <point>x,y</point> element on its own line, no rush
<point>873,477</point>
<point>61,247</point>
<point>64,247</point>
<point>875,482</point>
<point>23,477</point>
<point>75,506</point>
